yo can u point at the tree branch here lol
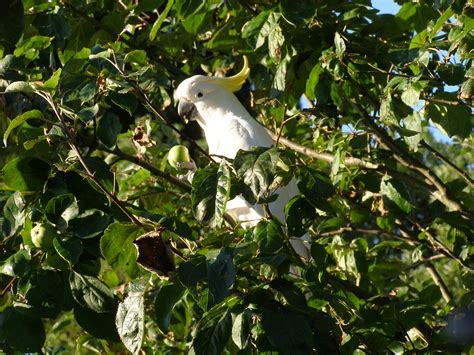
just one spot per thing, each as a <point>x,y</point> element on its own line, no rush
<point>439,282</point>
<point>160,173</point>
<point>445,160</point>
<point>442,193</point>
<point>155,171</point>
<point>89,173</point>
<point>311,153</point>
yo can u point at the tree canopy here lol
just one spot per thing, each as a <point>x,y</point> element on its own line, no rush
<point>104,245</point>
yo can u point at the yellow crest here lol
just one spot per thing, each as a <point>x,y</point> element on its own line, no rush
<point>235,82</point>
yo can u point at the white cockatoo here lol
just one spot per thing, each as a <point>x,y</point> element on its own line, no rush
<point>228,128</point>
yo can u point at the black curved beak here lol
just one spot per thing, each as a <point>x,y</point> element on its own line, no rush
<point>187,110</point>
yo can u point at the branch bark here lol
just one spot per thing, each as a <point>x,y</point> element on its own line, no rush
<point>439,282</point>
<point>162,174</point>
<point>404,158</point>
<point>445,160</point>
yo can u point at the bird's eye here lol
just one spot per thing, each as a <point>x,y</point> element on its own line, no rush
<point>199,94</point>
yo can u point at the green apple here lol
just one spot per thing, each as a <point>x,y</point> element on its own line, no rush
<point>42,235</point>
<point>178,154</point>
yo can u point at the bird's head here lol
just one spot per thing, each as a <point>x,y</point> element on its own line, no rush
<point>197,93</point>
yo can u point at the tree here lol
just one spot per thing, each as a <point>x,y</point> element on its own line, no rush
<point>87,119</point>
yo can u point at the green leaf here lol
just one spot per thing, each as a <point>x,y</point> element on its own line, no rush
<point>270,25</point>
<point>91,293</point>
<point>213,332</point>
<point>453,117</point>
<point>49,292</point>
<point>22,329</point>
<point>194,23</point>
<point>101,171</point>
<point>14,214</point>
<point>20,86</point>
<point>241,328</point>
<point>52,83</point>
<point>128,102</point>
<point>252,28</point>
<point>29,47</point>
<point>337,162</point>
<point>88,91</point>
<point>315,185</point>
<point>117,246</point>
<point>297,15</point>
<point>25,173</point>
<point>187,8</point>
<point>287,331</point>
<point>89,224</point>
<point>279,80</point>
<point>441,21</point>
<point>210,193</point>
<point>137,56</point>
<point>340,45</point>
<point>313,80</point>
<point>221,277</point>
<point>30,144</point>
<point>159,21</point>
<point>130,319</point>
<point>99,325</point>
<point>88,113</point>
<point>193,271</point>
<point>19,120</point>
<point>16,265</point>
<point>165,301</point>
<point>411,95</point>
<point>70,249</point>
<point>451,74</point>
<point>275,42</point>
<point>6,63</point>
<point>300,215</point>
<point>391,192</point>
<point>467,90</point>
<point>258,169</point>
<point>269,236</point>
<point>413,123</point>
<point>108,129</point>
<point>61,209</point>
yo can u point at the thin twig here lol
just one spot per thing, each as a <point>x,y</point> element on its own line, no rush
<point>442,193</point>
<point>445,160</point>
<point>90,174</point>
<point>439,282</point>
<point>369,231</point>
<point>154,170</point>
<point>311,153</point>
<point>183,185</point>
<point>424,261</point>
<point>435,244</point>
<point>151,106</point>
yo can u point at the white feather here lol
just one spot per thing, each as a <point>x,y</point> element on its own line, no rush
<point>228,128</point>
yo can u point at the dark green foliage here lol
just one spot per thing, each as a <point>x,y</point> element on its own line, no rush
<point>87,118</point>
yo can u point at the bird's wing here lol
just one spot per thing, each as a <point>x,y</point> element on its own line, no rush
<point>228,138</point>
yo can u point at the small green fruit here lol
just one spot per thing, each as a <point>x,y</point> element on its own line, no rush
<point>178,154</point>
<point>42,235</point>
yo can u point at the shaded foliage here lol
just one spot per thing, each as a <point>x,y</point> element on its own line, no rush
<point>87,119</point>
